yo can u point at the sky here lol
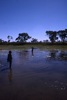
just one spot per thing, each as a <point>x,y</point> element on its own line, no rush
<point>34,17</point>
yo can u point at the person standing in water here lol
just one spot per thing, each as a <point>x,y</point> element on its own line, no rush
<point>32,51</point>
<point>9,58</point>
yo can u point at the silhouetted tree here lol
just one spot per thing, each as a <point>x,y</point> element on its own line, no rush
<point>1,40</point>
<point>40,41</point>
<point>52,35</point>
<point>9,38</point>
<point>45,41</point>
<point>66,34</point>
<point>23,37</point>
<point>34,40</point>
<point>62,34</point>
<point>18,39</point>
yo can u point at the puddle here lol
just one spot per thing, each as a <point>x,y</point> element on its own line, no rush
<point>39,75</point>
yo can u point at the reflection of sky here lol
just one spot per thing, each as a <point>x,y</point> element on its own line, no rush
<point>39,56</point>
<point>34,74</point>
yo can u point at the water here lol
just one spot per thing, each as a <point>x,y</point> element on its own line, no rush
<point>41,75</point>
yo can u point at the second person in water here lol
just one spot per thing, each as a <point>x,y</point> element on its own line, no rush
<point>9,58</point>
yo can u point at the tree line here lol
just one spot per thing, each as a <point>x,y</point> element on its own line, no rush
<point>22,38</point>
<point>54,36</point>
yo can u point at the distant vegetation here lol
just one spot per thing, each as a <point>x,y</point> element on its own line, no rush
<point>55,37</point>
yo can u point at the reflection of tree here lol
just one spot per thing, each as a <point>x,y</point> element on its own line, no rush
<point>53,54</point>
<point>63,55</point>
<point>58,55</point>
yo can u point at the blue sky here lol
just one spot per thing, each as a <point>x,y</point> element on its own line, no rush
<point>32,16</point>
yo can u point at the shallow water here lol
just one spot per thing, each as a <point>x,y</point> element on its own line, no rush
<point>41,75</point>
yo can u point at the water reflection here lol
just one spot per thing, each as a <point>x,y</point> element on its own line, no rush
<point>10,75</point>
<point>23,54</point>
<point>63,55</point>
<point>53,53</point>
<point>4,69</point>
<point>32,54</point>
<point>57,55</point>
<point>33,77</point>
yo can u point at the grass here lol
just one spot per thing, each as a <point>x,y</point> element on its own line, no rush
<point>28,46</point>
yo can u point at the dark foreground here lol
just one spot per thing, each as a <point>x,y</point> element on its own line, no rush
<point>41,75</point>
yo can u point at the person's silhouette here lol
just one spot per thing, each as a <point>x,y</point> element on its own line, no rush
<point>32,51</point>
<point>9,58</point>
